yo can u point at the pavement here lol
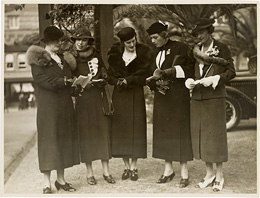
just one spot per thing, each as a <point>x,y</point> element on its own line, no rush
<point>23,178</point>
<point>19,137</point>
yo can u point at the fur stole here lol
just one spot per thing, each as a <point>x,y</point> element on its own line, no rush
<point>202,57</point>
<point>117,63</point>
<point>39,56</point>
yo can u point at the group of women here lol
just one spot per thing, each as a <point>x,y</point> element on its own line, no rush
<point>68,135</point>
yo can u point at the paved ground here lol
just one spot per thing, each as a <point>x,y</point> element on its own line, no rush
<point>240,170</point>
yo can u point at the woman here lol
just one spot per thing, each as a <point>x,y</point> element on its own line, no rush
<point>93,125</point>
<point>171,116</point>
<point>128,67</point>
<point>57,137</point>
<point>213,68</point>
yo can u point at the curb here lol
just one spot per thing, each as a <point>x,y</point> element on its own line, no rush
<point>18,157</point>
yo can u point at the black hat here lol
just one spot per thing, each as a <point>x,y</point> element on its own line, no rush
<point>82,33</point>
<point>52,33</point>
<point>201,24</point>
<point>126,34</point>
<point>156,28</point>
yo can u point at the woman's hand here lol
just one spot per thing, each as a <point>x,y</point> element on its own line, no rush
<point>206,82</point>
<point>190,83</point>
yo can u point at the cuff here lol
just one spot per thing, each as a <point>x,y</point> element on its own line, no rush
<point>215,80</point>
<point>179,72</point>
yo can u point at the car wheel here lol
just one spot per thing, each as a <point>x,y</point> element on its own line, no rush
<point>232,112</point>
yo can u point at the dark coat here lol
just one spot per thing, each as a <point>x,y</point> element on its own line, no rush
<point>171,117</point>
<point>93,126</point>
<point>129,119</point>
<point>209,141</point>
<point>57,136</point>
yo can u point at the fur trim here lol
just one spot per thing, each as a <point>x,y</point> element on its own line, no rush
<point>202,57</point>
<point>70,59</point>
<point>38,56</point>
<point>116,62</point>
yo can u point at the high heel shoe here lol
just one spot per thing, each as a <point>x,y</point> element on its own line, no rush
<point>218,186</point>
<point>47,190</point>
<point>206,182</point>
<point>184,182</point>
<point>134,175</point>
<point>109,179</point>
<point>126,174</point>
<point>66,187</point>
<point>164,178</point>
<point>91,180</point>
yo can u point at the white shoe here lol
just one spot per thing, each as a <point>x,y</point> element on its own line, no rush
<point>206,182</point>
<point>218,186</point>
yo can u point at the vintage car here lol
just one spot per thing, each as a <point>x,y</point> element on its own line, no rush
<point>241,100</point>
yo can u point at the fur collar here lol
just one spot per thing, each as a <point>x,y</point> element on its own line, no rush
<point>39,56</point>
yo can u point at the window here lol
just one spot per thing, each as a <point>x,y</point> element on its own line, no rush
<point>21,61</point>
<point>9,62</point>
<point>14,22</point>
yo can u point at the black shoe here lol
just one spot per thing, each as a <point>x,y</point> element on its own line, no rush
<point>164,178</point>
<point>134,175</point>
<point>91,180</point>
<point>126,174</point>
<point>184,182</point>
<point>109,179</point>
<point>47,190</point>
<point>66,187</point>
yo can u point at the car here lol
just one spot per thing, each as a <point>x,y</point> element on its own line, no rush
<point>241,98</point>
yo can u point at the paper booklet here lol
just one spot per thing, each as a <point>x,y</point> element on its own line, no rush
<point>82,80</point>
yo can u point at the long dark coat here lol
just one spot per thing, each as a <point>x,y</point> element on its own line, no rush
<point>57,136</point>
<point>208,112</point>
<point>171,116</point>
<point>129,119</point>
<point>93,126</point>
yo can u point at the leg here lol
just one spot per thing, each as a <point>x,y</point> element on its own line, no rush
<point>209,178</point>
<point>133,164</point>
<point>219,173</point>
<point>209,170</point>
<point>133,170</point>
<point>106,174</point>
<point>47,182</point>
<point>90,176</point>
<point>60,176</point>
<point>126,173</point>
<point>184,175</point>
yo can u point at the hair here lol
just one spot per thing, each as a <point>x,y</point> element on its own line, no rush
<point>164,34</point>
<point>122,42</point>
<point>210,29</point>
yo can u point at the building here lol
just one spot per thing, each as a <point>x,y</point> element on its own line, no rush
<point>19,24</point>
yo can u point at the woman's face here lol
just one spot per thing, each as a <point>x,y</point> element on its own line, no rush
<point>81,44</point>
<point>130,44</point>
<point>54,46</point>
<point>203,36</point>
<point>157,40</point>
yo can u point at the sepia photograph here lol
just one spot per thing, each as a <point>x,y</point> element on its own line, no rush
<point>129,99</point>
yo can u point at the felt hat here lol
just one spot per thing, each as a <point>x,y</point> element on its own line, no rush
<point>82,33</point>
<point>156,28</point>
<point>52,33</point>
<point>126,34</point>
<point>201,24</point>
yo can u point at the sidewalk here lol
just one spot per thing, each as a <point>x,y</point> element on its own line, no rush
<point>19,137</point>
<point>240,173</point>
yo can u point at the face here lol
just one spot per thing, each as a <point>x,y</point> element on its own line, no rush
<point>203,36</point>
<point>157,40</point>
<point>81,44</point>
<point>130,44</point>
<point>54,46</point>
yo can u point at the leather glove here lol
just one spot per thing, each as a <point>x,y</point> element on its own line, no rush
<point>169,73</point>
<point>151,84</point>
<point>76,90</point>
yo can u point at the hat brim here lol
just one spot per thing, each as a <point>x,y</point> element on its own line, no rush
<point>199,28</point>
<point>74,38</point>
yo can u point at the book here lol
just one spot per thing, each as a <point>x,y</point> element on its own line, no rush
<point>82,80</point>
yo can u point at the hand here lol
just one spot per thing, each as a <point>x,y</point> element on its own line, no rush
<point>206,82</point>
<point>190,83</point>
<point>76,90</point>
<point>169,73</point>
<point>151,84</point>
<point>68,81</point>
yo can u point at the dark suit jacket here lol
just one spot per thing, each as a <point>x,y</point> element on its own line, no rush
<point>226,72</point>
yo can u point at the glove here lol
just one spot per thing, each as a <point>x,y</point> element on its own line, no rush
<point>190,83</point>
<point>206,82</point>
<point>99,82</point>
<point>151,84</point>
<point>68,81</point>
<point>76,90</point>
<point>169,73</point>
